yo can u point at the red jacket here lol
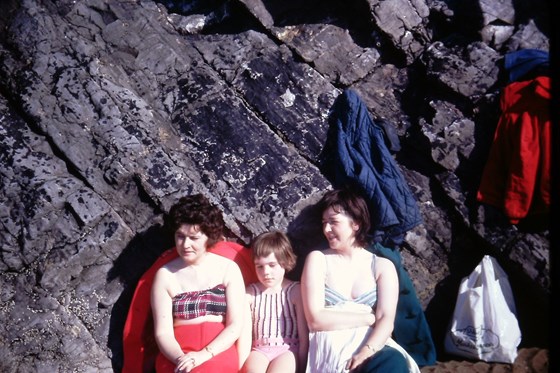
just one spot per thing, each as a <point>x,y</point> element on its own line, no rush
<point>516,177</point>
<point>139,344</point>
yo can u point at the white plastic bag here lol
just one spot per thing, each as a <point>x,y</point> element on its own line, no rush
<point>484,324</point>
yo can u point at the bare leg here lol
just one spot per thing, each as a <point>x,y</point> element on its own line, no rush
<point>255,363</point>
<point>285,363</point>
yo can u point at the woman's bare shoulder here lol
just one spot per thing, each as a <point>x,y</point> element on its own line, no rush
<point>216,259</point>
<point>379,260</point>
<point>315,255</point>
<point>169,267</point>
<point>384,265</point>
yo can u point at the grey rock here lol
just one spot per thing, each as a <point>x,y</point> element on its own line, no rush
<point>404,22</point>
<point>112,110</point>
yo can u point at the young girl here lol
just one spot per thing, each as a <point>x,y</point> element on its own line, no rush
<point>277,324</point>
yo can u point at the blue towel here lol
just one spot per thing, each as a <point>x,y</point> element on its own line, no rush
<point>411,330</point>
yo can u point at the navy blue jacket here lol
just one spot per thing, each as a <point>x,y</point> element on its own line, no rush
<point>356,155</point>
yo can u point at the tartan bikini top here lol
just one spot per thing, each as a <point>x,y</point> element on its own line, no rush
<point>193,304</point>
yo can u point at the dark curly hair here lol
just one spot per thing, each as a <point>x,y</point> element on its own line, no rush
<point>352,204</point>
<point>275,242</point>
<point>197,210</point>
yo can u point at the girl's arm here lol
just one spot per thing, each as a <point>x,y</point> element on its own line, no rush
<point>246,339</point>
<point>313,295</point>
<point>303,331</point>
<point>385,311</point>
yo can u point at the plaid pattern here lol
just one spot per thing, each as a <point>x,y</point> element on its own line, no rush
<point>193,304</point>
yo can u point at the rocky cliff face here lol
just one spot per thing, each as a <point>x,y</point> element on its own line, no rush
<point>111,110</point>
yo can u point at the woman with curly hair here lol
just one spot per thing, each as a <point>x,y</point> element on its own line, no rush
<point>196,297</point>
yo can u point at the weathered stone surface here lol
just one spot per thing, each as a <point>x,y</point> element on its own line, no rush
<point>111,110</point>
<point>404,23</point>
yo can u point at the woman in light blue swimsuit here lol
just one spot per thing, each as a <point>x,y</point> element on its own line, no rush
<point>350,296</point>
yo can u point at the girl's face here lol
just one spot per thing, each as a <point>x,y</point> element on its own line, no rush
<point>190,243</point>
<point>339,229</point>
<point>269,272</point>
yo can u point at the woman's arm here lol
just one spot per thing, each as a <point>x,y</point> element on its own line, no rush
<point>313,294</point>
<point>385,311</point>
<point>235,296</point>
<point>303,331</point>
<point>163,318</point>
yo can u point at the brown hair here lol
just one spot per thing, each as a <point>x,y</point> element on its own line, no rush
<point>275,242</point>
<point>197,210</point>
<point>352,204</point>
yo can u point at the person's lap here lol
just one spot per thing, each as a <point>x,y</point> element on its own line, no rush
<point>388,359</point>
<point>195,338</point>
<point>283,363</point>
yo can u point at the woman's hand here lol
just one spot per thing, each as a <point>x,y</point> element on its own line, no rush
<point>191,360</point>
<point>184,364</point>
<point>359,358</point>
<point>372,317</point>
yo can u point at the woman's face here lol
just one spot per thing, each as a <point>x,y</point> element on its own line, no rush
<point>190,242</point>
<point>339,229</point>
<point>269,272</point>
